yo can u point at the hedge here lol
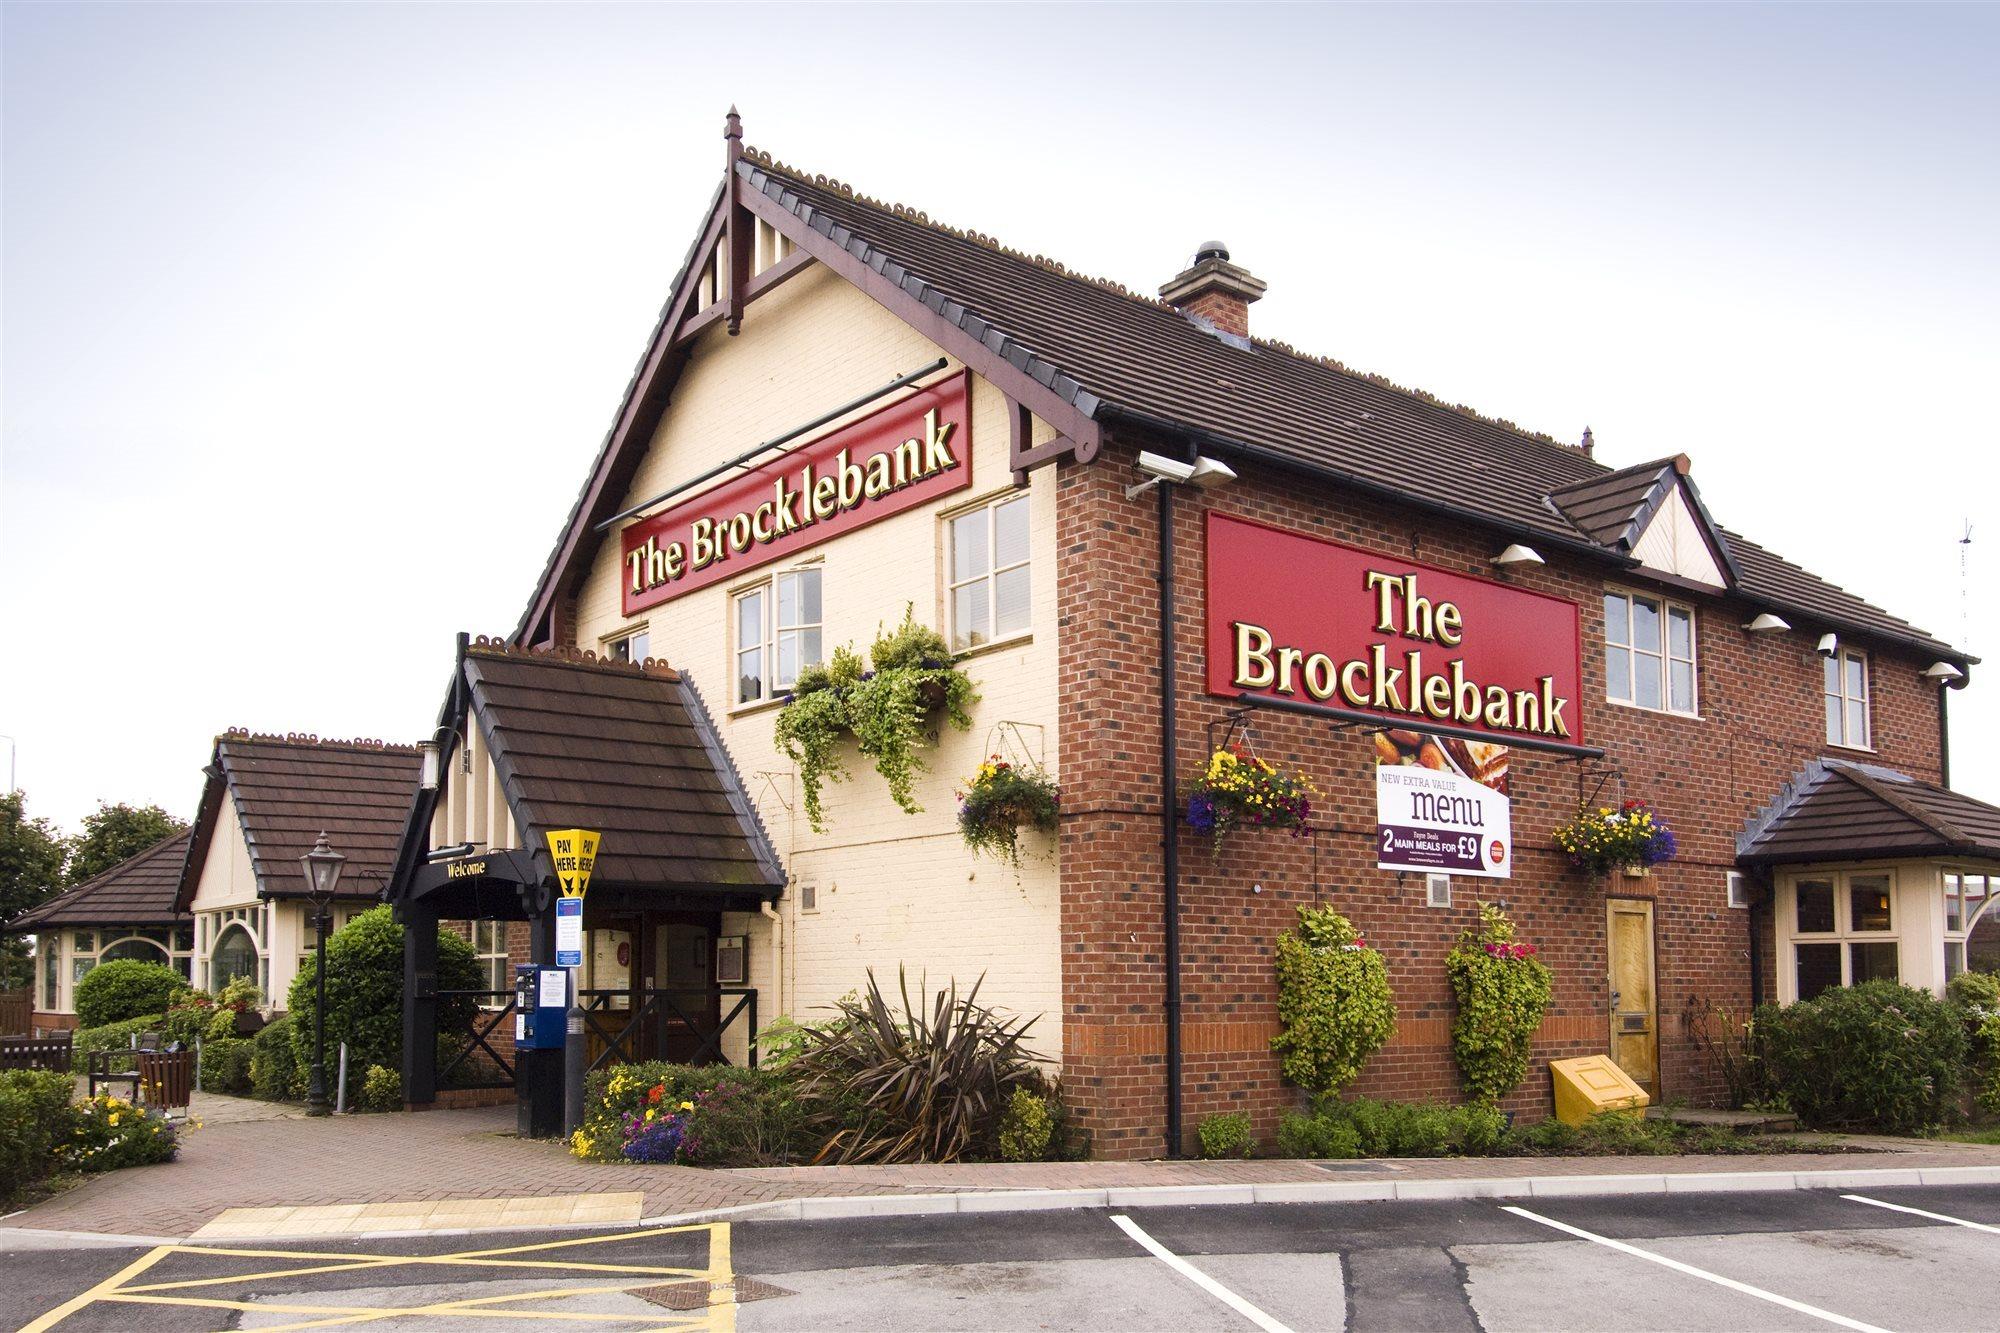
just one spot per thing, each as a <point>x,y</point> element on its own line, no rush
<point>364,992</point>
<point>34,1121</point>
<point>274,1066</point>
<point>1879,1056</point>
<point>225,1065</point>
<point>112,1037</point>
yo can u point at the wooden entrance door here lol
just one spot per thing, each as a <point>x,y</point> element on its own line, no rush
<point>1634,1009</point>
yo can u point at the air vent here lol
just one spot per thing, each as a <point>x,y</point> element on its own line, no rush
<point>1739,889</point>
<point>1437,890</point>
<point>808,897</point>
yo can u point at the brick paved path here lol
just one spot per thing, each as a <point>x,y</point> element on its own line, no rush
<point>473,1154</point>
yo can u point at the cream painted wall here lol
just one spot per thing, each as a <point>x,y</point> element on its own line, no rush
<point>893,889</point>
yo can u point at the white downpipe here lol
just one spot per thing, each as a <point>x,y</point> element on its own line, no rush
<point>340,1084</point>
<point>777,920</point>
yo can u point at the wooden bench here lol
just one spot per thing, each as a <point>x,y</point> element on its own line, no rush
<point>36,1053</point>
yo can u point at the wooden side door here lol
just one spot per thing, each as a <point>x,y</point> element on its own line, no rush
<point>1634,1008</point>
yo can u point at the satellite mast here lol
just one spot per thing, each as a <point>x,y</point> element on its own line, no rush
<point>1965,588</point>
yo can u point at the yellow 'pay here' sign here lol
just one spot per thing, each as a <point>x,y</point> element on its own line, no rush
<point>574,850</point>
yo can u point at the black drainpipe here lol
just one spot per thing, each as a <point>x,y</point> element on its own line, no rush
<point>1750,917</point>
<point>1169,816</point>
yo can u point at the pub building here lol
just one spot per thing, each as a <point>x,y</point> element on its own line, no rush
<point>1147,533</point>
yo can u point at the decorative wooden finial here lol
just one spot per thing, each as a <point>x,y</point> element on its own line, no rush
<point>732,132</point>
<point>1589,443</point>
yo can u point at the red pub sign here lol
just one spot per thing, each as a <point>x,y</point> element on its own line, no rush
<point>1317,622</point>
<point>903,455</point>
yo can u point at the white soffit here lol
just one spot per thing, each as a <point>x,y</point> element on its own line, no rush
<point>1672,544</point>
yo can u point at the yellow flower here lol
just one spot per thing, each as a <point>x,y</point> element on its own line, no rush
<point>114,1117</point>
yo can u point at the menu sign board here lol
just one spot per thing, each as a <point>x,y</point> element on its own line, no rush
<point>1318,622</point>
<point>906,454</point>
<point>1442,804</point>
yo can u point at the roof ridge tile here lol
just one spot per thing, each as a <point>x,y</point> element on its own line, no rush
<point>656,668</point>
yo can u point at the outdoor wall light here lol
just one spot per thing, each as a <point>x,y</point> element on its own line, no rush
<point>428,774</point>
<point>1202,472</point>
<point>1829,644</point>
<point>1942,671</point>
<point>1766,623</point>
<point>1517,554</point>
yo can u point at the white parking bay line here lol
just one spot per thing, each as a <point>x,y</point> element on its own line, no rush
<point>1203,1280</point>
<point>1800,1306</point>
<point>1922,1212</point>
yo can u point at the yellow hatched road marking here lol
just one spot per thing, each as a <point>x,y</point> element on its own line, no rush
<point>719,1316</point>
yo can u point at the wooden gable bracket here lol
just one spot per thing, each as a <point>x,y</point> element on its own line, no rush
<point>1023,456</point>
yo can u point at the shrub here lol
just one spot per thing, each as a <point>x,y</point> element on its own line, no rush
<point>273,1061</point>
<point>125,988</point>
<point>364,991</point>
<point>1976,995</point>
<point>882,1086</point>
<point>1304,1135</point>
<point>382,1089</point>
<point>1975,990</point>
<point>1367,1128</point>
<point>1502,991</point>
<point>109,1132</point>
<point>1027,1130</point>
<point>1225,1135</point>
<point>34,1121</point>
<point>1333,1000</point>
<point>225,1065</point>
<point>1879,1056</point>
<point>112,1037</point>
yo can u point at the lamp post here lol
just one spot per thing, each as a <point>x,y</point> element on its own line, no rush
<point>322,866</point>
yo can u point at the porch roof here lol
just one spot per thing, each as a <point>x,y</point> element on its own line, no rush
<point>1838,810</point>
<point>138,891</point>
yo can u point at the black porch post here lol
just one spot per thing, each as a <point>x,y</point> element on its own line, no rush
<point>420,1012</point>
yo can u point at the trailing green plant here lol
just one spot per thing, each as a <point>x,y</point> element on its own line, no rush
<point>364,991</point>
<point>1879,1056</point>
<point>225,1065</point>
<point>1334,1002</point>
<point>920,1085</point>
<point>1502,990</point>
<point>1027,1130</point>
<point>125,988</point>
<point>274,1064</point>
<point>886,710</point>
<point>999,802</point>
<point>35,1119</point>
<point>1226,1135</point>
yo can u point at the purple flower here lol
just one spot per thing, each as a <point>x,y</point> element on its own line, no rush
<point>1201,813</point>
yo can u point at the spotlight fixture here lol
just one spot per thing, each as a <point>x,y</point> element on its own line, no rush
<point>1766,623</point>
<point>1203,473</point>
<point>1518,554</point>
<point>1829,644</point>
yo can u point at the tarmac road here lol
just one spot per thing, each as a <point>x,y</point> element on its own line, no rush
<point>1794,1260</point>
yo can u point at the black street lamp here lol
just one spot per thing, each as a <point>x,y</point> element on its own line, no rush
<point>322,865</point>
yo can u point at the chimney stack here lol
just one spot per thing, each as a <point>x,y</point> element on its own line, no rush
<point>1215,289</point>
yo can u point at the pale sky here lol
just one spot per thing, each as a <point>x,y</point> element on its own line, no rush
<point>314,316</point>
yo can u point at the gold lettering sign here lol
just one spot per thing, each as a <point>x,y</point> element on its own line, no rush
<point>464,869</point>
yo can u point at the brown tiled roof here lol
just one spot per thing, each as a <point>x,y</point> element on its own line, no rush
<point>626,749</point>
<point>138,891</point>
<point>1613,509</point>
<point>1841,811</point>
<point>289,789</point>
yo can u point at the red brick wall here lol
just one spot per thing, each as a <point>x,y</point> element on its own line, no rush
<point>1761,721</point>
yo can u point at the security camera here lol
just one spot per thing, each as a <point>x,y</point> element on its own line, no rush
<point>1829,644</point>
<point>1161,468</point>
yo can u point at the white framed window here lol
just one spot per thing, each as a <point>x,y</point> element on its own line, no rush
<point>632,646</point>
<point>1649,653</point>
<point>987,580</point>
<point>1842,929</point>
<point>1971,928</point>
<point>778,630</point>
<point>489,941</point>
<point>1846,692</point>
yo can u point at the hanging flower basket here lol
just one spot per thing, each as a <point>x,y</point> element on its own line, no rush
<point>1000,801</point>
<point>1631,839</point>
<point>1239,790</point>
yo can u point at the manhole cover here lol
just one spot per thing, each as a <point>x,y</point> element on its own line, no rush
<point>695,1295</point>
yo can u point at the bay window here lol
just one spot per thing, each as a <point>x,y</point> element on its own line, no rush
<point>1842,930</point>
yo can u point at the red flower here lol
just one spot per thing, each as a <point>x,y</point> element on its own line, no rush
<point>657,1093</point>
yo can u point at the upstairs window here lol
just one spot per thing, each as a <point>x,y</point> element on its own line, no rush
<point>778,634</point>
<point>634,647</point>
<point>987,580</point>
<point>1649,653</point>
<point>1847,700</point>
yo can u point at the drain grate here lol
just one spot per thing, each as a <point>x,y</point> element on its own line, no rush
<point>1353,1168</point>
<point>695,1295</point>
